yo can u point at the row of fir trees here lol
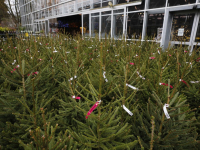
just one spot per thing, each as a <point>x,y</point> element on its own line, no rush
<point>69,93</point>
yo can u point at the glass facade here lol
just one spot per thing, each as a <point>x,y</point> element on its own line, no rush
<point>118,21</point>
<point>136,19</point>
<point>105,25</point>
<point>182,27</point>
<point>197,38</point>
<point>135,25</point>
<point>86,24</point>
<point>180,2</point>
<point>154,26</point>
<point>157,3</point>
<point>95,24</point>
<point>137,7</point>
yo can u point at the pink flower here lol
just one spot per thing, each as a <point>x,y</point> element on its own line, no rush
<point>11,71</point>
<point>185,51</point>
<point>170,55</point>
<point>131,63</point>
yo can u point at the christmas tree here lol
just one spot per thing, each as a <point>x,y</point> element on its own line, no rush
<point>63,92</point>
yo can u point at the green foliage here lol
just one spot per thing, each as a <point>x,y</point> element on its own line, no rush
<point>38,111</point>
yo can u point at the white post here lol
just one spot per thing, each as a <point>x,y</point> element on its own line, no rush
<point>90,25</point>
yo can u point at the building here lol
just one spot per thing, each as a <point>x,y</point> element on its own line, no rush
<point>163,21</point>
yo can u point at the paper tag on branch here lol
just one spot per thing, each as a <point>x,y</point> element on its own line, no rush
<point>14,62</point>
<point>165,85</point>
<point>132,87</point>
<point>127,110</point>
<point>105,76</point>
<point>183,81</point>
<point>76,97</point>
<point>189,63</point>
<point>140,76</point>
<point>72,78</point>
<point>93,108</point>
<point>194,81</point>
<point>165,111</point>
<point>152,57</point>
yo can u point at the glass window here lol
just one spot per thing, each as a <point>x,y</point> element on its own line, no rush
<point>86,24</point>
<point>46,13</point>
<point>86,4</point>
<point>42,4</point>
<point>96,3</point>
<point>197,39</point>
<point>60,9</point>
<point>136,1</point>
<point>135,25</point>
<point>65,8</point>
<point>95,14</point>
<point>181,27</point>
<point>43,14</point>
<point>71,8</point>
<point>180,2</point>
<point>118,11</point>
<point>137,7</point>
<point>105,3</point>
<point>157,3</point>
<point>105,12</point>
<point>105,25</point>
<point>49,2</point>
<point>95,26</point>
<point>154,26</point>
<point>79,5</point>
<point>118,21</point>
<point>121,1</point>
<point>50,11</point>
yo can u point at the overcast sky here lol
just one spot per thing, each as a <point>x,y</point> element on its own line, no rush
<point>12,2</point>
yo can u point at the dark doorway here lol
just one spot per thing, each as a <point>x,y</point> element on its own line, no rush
<point>70,24</point>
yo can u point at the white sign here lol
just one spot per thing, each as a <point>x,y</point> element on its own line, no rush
<point>180,31</point>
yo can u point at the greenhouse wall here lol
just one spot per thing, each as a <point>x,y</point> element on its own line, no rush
<point>168,22</point>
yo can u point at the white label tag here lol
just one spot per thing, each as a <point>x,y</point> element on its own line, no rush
<point>132,87</point>
<point>180,31</point>
<point>14,62</point>
<point>105,76</point>
<point>165,110</point>
<point>127,110</point>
